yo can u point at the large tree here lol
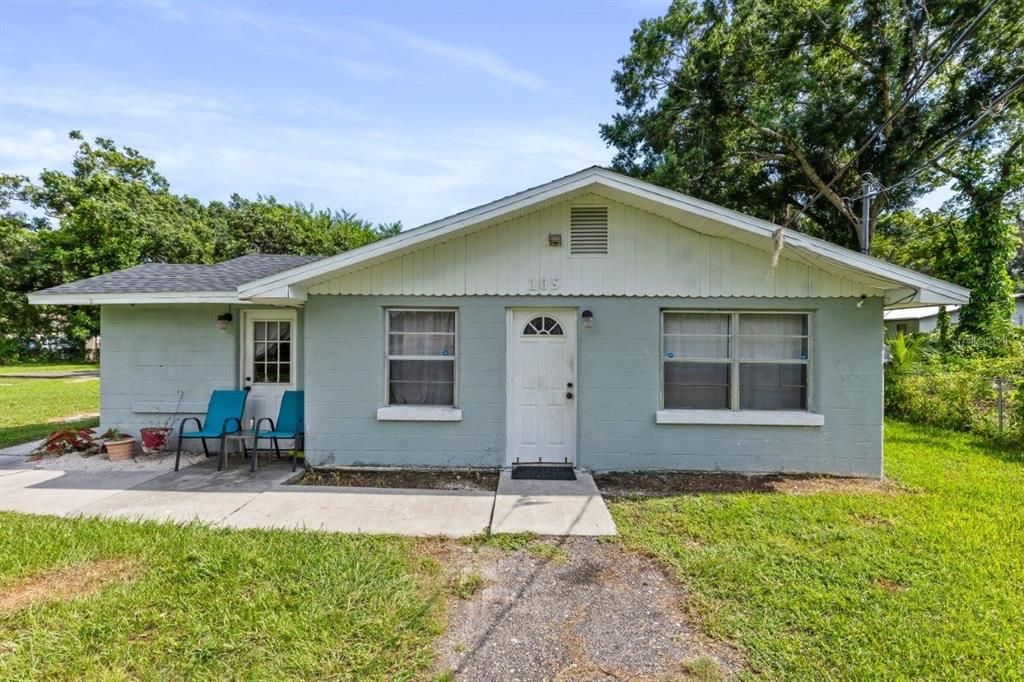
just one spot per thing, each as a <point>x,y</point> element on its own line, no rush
<point>113,210</point>
<point>778,107</point>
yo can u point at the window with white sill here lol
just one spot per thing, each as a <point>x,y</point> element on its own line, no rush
<point>421,357</point>
<point>756,361</point>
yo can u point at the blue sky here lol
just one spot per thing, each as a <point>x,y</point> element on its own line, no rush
<point>398,111</point>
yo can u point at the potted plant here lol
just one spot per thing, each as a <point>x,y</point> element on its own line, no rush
<point>119,446</point>
<point>154,438</point>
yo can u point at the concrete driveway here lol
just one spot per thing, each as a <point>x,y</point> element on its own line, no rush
<point>239,499</point>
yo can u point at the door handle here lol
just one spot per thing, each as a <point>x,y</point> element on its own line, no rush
<point>569,395</point>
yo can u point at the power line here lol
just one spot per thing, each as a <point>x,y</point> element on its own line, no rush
<point>955,45</point>
<point>948,147</point>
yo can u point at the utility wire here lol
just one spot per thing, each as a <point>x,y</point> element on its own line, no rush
<point>948,147</point>
<point>955,45</point>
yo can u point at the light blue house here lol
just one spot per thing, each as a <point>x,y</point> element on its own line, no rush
<point>595,320</point>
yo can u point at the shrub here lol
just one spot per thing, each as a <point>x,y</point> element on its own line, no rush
<point>960,393</point>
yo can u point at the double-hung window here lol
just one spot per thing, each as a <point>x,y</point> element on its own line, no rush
<point>421,351</point>
<point>735,361</point>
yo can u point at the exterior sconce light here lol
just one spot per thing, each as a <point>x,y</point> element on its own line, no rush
<point>223,320</point>
<point>588,319</point>
<point>554,239</point>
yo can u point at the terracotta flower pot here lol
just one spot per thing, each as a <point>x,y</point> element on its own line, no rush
<point>154,438</point>
<point>118,450</point>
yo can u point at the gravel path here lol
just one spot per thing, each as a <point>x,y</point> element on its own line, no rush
<point>573,609</point>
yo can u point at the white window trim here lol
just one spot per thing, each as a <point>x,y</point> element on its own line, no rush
<point>734,362</point>
<point>419,413</point>
<point>740,417</point>
<point>387,366</point>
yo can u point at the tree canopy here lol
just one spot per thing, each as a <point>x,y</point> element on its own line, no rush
<point>113,210</point>
<point>778,108</point>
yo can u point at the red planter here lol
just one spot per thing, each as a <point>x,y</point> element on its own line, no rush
<point>154,438</point>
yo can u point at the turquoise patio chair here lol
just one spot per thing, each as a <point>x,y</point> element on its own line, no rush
<point>223,416</point>
<point>290,426</point>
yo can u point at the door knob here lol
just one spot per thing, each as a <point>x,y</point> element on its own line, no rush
<point>568,385</point>
<point>569,395</point>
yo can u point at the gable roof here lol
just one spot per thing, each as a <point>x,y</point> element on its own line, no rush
<point>902,287</point>
<point>171,282</point>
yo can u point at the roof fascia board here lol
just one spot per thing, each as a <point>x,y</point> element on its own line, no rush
<point>139,297</point>
<point>844,259</point>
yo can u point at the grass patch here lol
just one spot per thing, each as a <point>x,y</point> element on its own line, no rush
<point>928,583</point>
<point>468,584</point>
<point>508,542</point>
<point>33,408</point>
<point>546,552</point>
<point>203,603</point>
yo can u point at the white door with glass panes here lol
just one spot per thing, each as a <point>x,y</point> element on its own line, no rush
<point>268,364</point>
<point>542,386</point>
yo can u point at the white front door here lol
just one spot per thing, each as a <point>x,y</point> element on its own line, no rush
<point>269,353</point>
<point>541,386</point>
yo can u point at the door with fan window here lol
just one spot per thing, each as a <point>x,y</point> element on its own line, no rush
<point>269,351</point>
<point>541,421</point>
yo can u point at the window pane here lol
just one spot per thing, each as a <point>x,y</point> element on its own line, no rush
<point>284,331</point>
<point>272,328</point>
<point>702,386</point>
<point>422,321</point>
<point>773,387</point>
<point>697,323</point>
<point>271,352</point>
<point>271,373</point>
<point>697,347</point>
<point>421,382</point>
<point>259,372</point>
<point>421,344</point>
<point>774,325</point>
<point>284,352</point>
<point>773,348</point>
<point>284,373</point>
<point>259,331</point>
<point>259,351</point>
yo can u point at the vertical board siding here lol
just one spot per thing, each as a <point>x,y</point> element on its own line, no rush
<point>619,368</point>
<point>648,256</point>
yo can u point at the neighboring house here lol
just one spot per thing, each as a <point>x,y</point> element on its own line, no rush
<point>926,318</point>
<point>596,320</point>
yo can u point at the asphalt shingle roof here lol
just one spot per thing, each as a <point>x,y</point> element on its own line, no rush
<point>168,277</point>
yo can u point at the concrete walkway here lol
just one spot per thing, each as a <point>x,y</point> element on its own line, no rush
<point>550,507</point>
<point>238,499</point>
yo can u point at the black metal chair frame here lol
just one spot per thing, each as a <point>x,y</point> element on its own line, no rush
<point>223,439</point>
<point>300,437</point>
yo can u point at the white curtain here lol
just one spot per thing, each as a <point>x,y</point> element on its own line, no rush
<point>421,357</point>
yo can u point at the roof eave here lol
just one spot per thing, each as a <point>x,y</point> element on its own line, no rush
<point>115,298</point>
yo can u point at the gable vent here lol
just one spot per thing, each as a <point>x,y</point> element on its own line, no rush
<point>588,230</point>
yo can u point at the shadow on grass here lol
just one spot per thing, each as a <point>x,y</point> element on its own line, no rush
<point>24,433</point>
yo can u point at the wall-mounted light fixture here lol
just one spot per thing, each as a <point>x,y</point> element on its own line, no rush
<point>554,239</point>
<point>860,303</point>
<point>223,320</point>
<point>588,319</point>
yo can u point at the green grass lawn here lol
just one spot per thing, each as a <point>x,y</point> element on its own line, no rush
<point>201,603</point>
<point>40,367</point>
<point>928,583</point>
<point>32,408</point>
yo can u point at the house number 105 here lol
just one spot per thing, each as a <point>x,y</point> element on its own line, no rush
<point>543,283</point>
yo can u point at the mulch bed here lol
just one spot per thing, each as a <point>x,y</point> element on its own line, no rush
<point>665,484</point>
<point>466,479</point>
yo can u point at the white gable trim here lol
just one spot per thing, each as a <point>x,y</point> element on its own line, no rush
<point>906,287</point>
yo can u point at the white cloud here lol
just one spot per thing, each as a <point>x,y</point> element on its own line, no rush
<point>478,59</point>
<point>211,145</point>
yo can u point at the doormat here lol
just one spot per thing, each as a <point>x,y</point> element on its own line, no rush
<point>540,473</point>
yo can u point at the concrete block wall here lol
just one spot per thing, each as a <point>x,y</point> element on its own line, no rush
<point>618,389</point>
<point>151,352</point>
